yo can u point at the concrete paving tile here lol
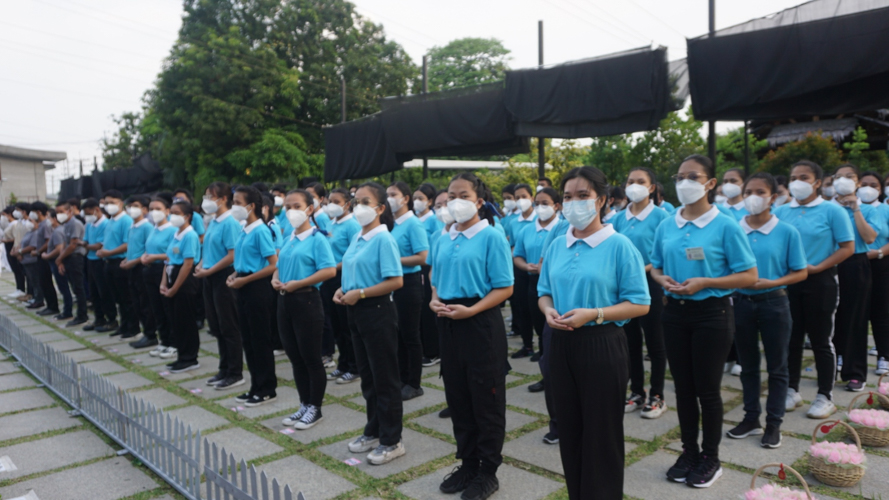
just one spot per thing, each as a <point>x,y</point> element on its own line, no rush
<point>52,453</point>
<point>648,429</point>
<point>199,388</point>
<point>66,345</point>
<point>80,483</point>
<point>419,449</point>
<point>105,340</point>
<point>288,399</point>
<point>749,453</point>
<point>525,366</point>
<point>144,359</point>
<point>35,422</point>
<point>729,380</point>
<point>432,421</point>
<point>808,388</point>
<point>874,484</point>
<point>104,366</point>
<point>646,479</point>
<point>342,390</point>
<point>431,369</point>
<point>159,397</point>
<point>208,368</point>
<point>129,380</point>
<point>302,475</point>
<point>7,367</point>
<point>15,381</point>
<point>198,418</point>
<point>530,448</point>
<point>24,400</point>
<point>439,382</point>
<point>211,347</point>
<point>519,396</point>
<point>794,421</point>
<point>514,483</point>
<point>84,355</point>
<point>244,445</point>
<point>50,336</point>
<point>337,420</point>
<point>284,371</point>
<point>431,397</point>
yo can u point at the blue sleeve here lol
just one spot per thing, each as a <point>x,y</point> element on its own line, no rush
<point>518,250</point>
<point>431,255</point>
<point>279,236</point>
<point>390,258</point>
<point>499,261</point>
<point>323,221</point>
<point>737,248</point>
<point>543,284</point>
<point>874,219</point>
<point>841,225</point>
<point>125,228</point>
<point>197,222</point>
<point>323,253</point>
<point>418,238</point>
<point>656,257</point>
<point>230,234</point>
<point>191,247</point>
<point>796,253</point>
<point>266,245</point>
<point>632,284</point>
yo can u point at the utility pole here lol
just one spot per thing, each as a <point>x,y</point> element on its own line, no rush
<point>746,149</point>
<point>342,111</point>
<point>711,125</point>
<point>541,146</point>
<point>81,168</point>
<point>425,91</point>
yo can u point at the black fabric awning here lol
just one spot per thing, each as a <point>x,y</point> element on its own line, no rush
<point>825,57</point>
<point>358,149</point>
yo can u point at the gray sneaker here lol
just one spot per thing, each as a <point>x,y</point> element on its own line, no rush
<point>821,408</point>
<point>364,444</point>
<point>794,400</point>
<point>384,454</point>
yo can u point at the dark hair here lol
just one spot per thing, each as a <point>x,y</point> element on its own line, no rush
<point>595,177</point>
<point>428,191</point>
<point>652,179</point>
<point>552,193</point>
<point>483,192</point>
<point>617,193</point>
<point>187,210</point>
<point>252,195</point>
<point>74,202</point>
<point>401,186</point>
<point>39,206</point>
<point>268,201</point>
<point>509,188</point>
<point>281,188</point>
<point>165,201</point>
<point>547,179</point>
<point>767,178</point>
<point>781,180</point>
<point>61,203</point>
<point>876,175</point>
<point>709,169</point>
<point>113,193</point>
<point>659,198</point>
<point>221,189</point>
<point>739,171</point>
<point>51,212</point>
<point>849,165</point>
<point>310,200</point>
<point>138,198</point>
<point>342,192</point>
<point>188,194</point>
<point>816,169</point>
<point>321,191</point>
<point>524,186</point>
<point>165,195</point>
<point>379,193</point>
<point>260,186</point>
<point>90,203</point>
<point>9,209</point>
<point>23,207</point>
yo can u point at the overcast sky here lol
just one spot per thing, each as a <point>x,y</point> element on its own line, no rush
<point>67,66</point>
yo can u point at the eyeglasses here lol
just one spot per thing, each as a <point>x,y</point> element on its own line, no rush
<point>851,176</point>
<point>363,201</point>
<point>692,176</point>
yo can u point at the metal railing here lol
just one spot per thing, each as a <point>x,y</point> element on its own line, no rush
<point>166,445</point>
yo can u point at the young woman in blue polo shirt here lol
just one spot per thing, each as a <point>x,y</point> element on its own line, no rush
<point>371,272</point>
<point>152,260</point>
<point>305,261</point>
<point>472,274</point>
<point>255,260</point>
<point>521,310</point>
<point>732,186</point>
<point>765,309</point>
<point>638,223</point>
<point>871,193</point>
<point>827,237</point>
<point>424,200</point>
<point>137,209</point>
<point>413,244</point>
<point>699,257</point>
<point>591,283</point>
<point>179,288</point>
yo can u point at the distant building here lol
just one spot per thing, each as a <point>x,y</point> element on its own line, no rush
<point>23,172</point>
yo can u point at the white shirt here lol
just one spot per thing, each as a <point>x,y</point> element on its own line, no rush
<point>592,240</point>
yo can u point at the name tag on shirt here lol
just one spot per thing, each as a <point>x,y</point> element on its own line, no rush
<point>696,253</point>
<point>176,250</point>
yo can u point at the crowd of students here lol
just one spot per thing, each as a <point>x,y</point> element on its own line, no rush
<point>398,279</point>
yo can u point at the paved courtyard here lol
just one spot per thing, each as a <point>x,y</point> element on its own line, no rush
<point>47,455</point>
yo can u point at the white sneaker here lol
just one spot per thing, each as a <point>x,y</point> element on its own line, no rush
<point>16,294</point>
<point>882,366</point>
<point>279,352</point>
<point>872,351</point>
<point>839,363</point>
<point>794,400</point>
<point>157,350</point>
<point>728,367</point>
<point>821,408</point>
<point>364,444</point>
<point>311,417</point>
<point>385,454</point>
<point>294,418</point>
<point>736,370</point>
<point>169,352</point>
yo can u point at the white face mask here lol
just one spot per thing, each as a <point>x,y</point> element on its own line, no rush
<point>463,210</point>
<point>420,206</point>
<point>801,189</point>
<point>209,206</point>
<point>781,199</point>
<point>689,191</point>
<point>177,220</point>
<point>279,202</point>
<point>62,218</point>
<point>317,203</point>
<point>731,190</point>
<point>509,205</point>
<point>112,209</point>
<point>539,188</point>
<point>867,194</point>
<point>444,215</point>
<point>29,225</point>
<point>394,204</point>
<point>102,206</point>
<point>333,210</point>
<point>829,191</point>
<point>524,204</point>
<point>580,213</point>
<point>756,204</point>
<point>364,214</point>
<point>636,192</point>
<point>844,186</point>
<point>134,212</point>
<point>720,199</point>
<point>296,218</point>
<point>90,219</point>
<point>239,213</point>
<point>156,217</point>
<point>886,190</point>
<point>33,216</point>
<point>16,214</point>
<point>545,212</point>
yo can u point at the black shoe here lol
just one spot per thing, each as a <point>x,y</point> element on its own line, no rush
<point>92,326</point>
<point>228,383</point>
<point>108,327</point>
<point>130,335</point>
<point>446,413</point>
<point>408,392</point>
<point>524,352</point>
<point>855,386</point>
<point>458,480</point>
<point>536,387</point>
<point>63,317</point>
<point>772,437</point>
<point>35,305</point>
<point>243,398</point>
<point>257,400</point>
<point>47,312</point>
<point>536,357</point>
<point>143,342</point>
<point>551,438</point>
<point>705,473</point>
<point>683,466</point>
<point>744,429</point>
<point>215,379</point>
<point>482,486</point>
<point>184,366</point>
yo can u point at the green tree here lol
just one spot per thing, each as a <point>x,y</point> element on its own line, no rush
<point>730,151</point>
<point>465,62</point>
<point>859,153</point>
<point>814,147</point>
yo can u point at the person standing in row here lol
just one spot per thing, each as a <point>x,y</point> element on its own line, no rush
<point>371,272</point>
<point>137,209</point>
<point>179,288</point>
<point>114,248</point>
<point>732,186</point>
<point>871,193</point>
<point>152,261</point>
<point>699,257</point>
<point>471,276</point>
<point>305,261</point>
<point>103,303</point>
<point>53,250</point>
<point>70,261</point>
<point>424,199</point>
<point>39,215</point>
<point>521,309</point>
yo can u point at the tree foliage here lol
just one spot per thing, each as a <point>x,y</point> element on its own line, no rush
<point>730,151</point>
<point>814,147</point>
<point>465,62</point>
<point>859,153</point>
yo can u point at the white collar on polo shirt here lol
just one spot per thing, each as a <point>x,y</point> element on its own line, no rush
<point>548,227</point>
<point>142,221</point>
<point>592,240</point>
<point>736,206</point>
<point>305,234</point>
<point>641,215</point>
<point>530,218</point>
<point>814,203</point>
<point>220,218</point>
<point>119,215</point>
<point>424,217</point>
<point>375,231</point>
<point>163,226</point>
<point>344,219</point>
<point>764,229</point>
<point>407,215</point>
<point>701,221</point>
<point>181,235</point>
<point>469,233</point>
<point>254,225</point>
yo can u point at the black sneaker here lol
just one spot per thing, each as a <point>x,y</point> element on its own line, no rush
<point>311,417</point>
<point>257,400</point>
<point>92,326</point>
<point>446,413</point>
<point>772,437</point>
<point>130,335</point>
<point>107,327</point>
<point>744,429</point>
<point>536,356</point>
<point>243,398</point>
<point>47,312</point>
<point>431,361</point>
<point>708,470</point>
<point>634,402</point>
<point>536,387</point>
<point>408,392</point>
<point>75,322</point>
<point>524,352</point>
<point>63,317</point>
<point>229,382</point>
<point>683,466</point>
<point>458,480</point>
<point>215,379</point>
<point>35,305</point>
<point>184,366</point>
<point>855,386</point>
<point>144,342</point>
<point>551,438</point>
<point>482,486</point>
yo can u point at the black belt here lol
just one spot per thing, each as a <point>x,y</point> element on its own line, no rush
<point>305,289</point>
<point>708,302</point>
<point>243,275</point>
<point>774,294</point>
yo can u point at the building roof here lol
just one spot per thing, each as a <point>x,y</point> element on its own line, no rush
<point>32,154</point>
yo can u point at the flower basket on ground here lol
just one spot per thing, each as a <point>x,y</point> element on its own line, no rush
<point>883,389</point>
<point>836,464</point>
<point>776,492</point>
<point>871,424</point>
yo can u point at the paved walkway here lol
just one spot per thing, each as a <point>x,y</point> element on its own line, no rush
<point>48,455</point>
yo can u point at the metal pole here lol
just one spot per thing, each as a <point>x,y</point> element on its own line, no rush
<point>342,111</point>
<point>425,91</point>
<point>711,125</point>
<point>746,150</point>
<point>541,146</point>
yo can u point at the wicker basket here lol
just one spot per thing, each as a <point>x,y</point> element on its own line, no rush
<point>831,474</point>
<point>783,467</point>
<point>884,401</point>
<point>871,436</point>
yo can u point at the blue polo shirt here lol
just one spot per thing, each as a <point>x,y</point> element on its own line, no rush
<point>431,224</point>
<point>303,255</point>
<point>197,222</point>
<point>821,225</point>
<point>159,239</point>
<point>254,247</point>
<point>221,236</point>
<point>322,221</point>
<point>342,232</point>
<point>137,238</point>
<point>669,207</point>
<point>561,228</point>
<point>778,248</point>
<point>371,259</point>
<point>507,224</point>
<point>529,242</point>
<point>882,228</point>
<point>516,226</point>
<point>601,270</point>
<point>738,211</point>
<point>469,264</point>
<point>95,233</point>
<point>640,228</point>
<point>411,238</point>
<point>277,236</point>
<point>184,245</point>
<point>286,228</point>
<point>116,233</point>
<point>871,216</point>
<point>711,246</point>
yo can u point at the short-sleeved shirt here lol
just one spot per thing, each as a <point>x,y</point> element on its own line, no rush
<point>778,248</point>
<point>738,211</point>
<point>277,235</point>
<point>117,233</point>
<point>871,216</point>
<point>342,232</point>
<point>322,221</point>
<point>95,233</point>
<point>371,259</point>
<point>507,220</point>
<point>601,270</point>
<point>711,246</point>
<point>184,245</point>
<point>159,239</point>
<point>57,238</point>
<point>517,224</point>
<point>882,212</point>
<point>411,238</point>
<point>72,229</point>
<point>44,233</point>
<point>137,238</point>
<point>28,241</point>
<point>221,236</point>
<point>197,222</point>
<point>821,225</point>
<point>254,247</point>
<point>303,255</point>
<point>529,241</point>
<point>469,264</point>
<point>562,227</point>
<point>669,207</point>
<point>640,228</point>
<point>431,224</point>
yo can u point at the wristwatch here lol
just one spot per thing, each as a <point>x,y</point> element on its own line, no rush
<point>361,294</point>
<point>601,318</point>
<point>880,254</point>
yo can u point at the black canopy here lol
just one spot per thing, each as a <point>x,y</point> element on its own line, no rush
<point>145,176</point>
<point>824,57</point>
<point>358,149</point>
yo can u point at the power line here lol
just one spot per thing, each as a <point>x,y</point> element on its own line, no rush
<point>69,63</point>
<point>656,18</point>
<point>574,14</point>
<point>69,91</point>
<point>106,47</point>
<point>627,26</point>
<point>146,33</point>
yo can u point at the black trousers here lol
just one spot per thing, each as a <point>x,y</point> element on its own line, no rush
<point>141,303</point>
<point>222,320</point>
<point>151,277</point>
<point>254,319</point>
<point>408,301</point>
<point>339,323</point>
<point>428,328</point>
<point>698,336</point>
<point>74,272</point>
<point>589,372</point>
<point>813,305</point>
<point>86,276</point>
<point>545,365</point>
<point>119,286</point>
<point>535,315</point>
<point>301,325</point>
<point>650,326</point>
<point>64,289</point>
<point>103,302</point>
<point>473,357</point>
<point>374,326</point>
<point>879,305</point>
<point>180,312</point>
<point>49,290</point>
<point>521,313</point>
<point>17,270</point>
<point>850,340</point>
